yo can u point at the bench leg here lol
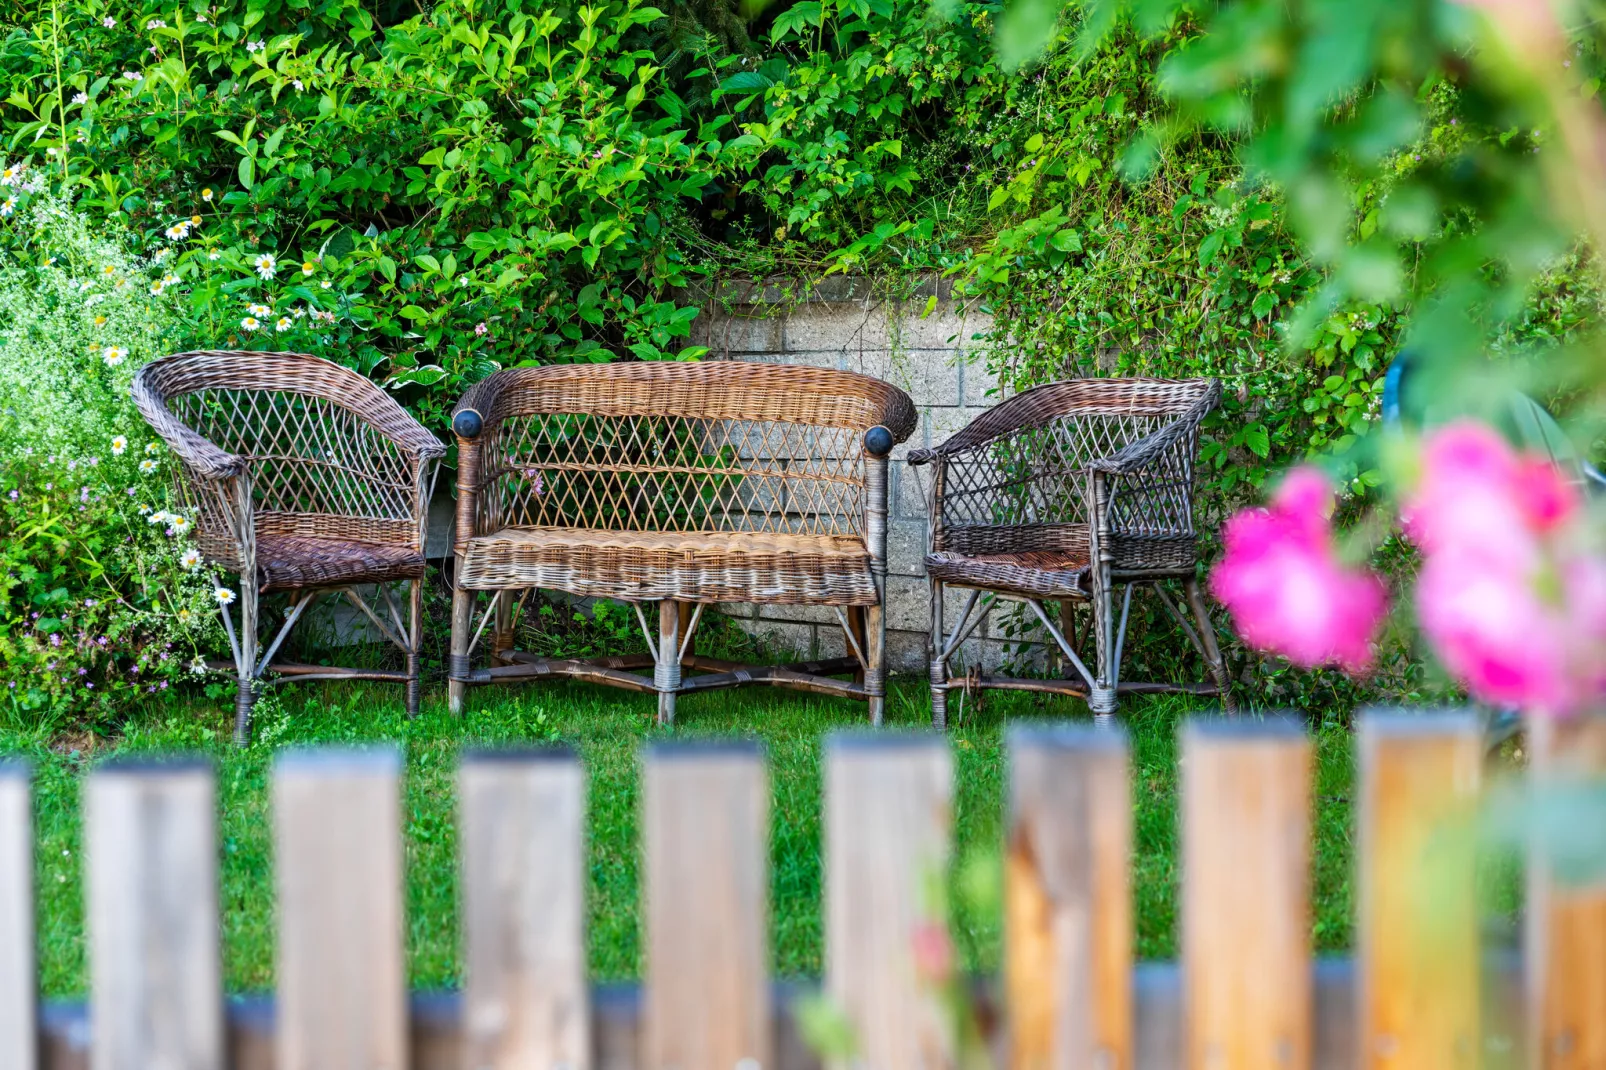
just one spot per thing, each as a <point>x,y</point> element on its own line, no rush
<point>666,663</point>
<point>245,694</point>
<point>875,655</point>
<point>457,662</point>
<point>1212,650</point>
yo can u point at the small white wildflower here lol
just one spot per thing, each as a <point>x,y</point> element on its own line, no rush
<point>259,310</point>
<point>161,516</point>
<point>113,355</point>
<point>191,559</point>
<point>326,284</point>
<point>8,206</point>
<point>152,448</point>
<point>108,22</point>
<point>179,231</point>
<point>297,83</point>
<point>255,46</point>
<point>284,323</point>
<point>119,445</point>
<point>143,509</point>
<point>132,76</point>
<point>9,176</point>
<point>80,98</point>
<point>147,466</point>
<point>249,324</point>
<point>177,525</point>
<point>224,596</point>
<point>265,265</point>
<point>308,267</point>
<point>206,194</point>
<point>298,313</point>
<point>198,666</point>
<point>155,24</point>
<point>213,254</point>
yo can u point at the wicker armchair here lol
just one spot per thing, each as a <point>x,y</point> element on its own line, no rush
<point>304,477</point>
<point>1066,493</point>
<point>683,484</point>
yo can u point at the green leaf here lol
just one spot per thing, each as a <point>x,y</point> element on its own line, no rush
<point>414,313</point>
<point>1258,440</point>
<point>1265,301</point>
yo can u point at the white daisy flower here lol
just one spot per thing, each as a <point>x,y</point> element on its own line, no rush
<point>259,310</point>
<point>283,323</point>
<point>119,445</point>
<point>147,466</point>
<point>224,596</point>
<point>177,525</point>
<point>250,323</point>
<point>8,206</point>
<point>152,448</point>
<point>265,265</point>
<point>191,559</point>
<point>113,355</point>
<point>326,284</point>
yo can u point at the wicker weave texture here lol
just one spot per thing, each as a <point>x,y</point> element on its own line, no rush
<point>1018,477</point>
<point>696,450</point>
<point>329,458</point>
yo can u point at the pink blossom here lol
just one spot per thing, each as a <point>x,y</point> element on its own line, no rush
<point>1284,585</point>
<point>1513,604</point>
<point>933,952</point>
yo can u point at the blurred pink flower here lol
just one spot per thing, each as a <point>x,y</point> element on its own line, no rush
<point>933,952</point>
<point>1513,605</point>
<point>1281,579</point>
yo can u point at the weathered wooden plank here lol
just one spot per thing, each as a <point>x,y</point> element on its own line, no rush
<point>1417,943</point>
<point>342,981</point>
<point>1245,820</point>
<point>18,984</point>
<point>156,975</point>
<point>888,812</point>
<point>1068,901</point>
<point>1566,915</point>
<point>523,851</point>
<point>705,823</point>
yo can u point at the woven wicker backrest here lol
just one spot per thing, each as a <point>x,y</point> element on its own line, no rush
<point>1020,480</point>
<point>320,441</point>
<point>711,446</point>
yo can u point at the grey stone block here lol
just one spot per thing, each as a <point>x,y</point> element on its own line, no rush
<point>981,386</point>
<point>846,327</point>
<point>906,652</point>
<point>725,333</point>
<point>811,614</point>
<point>906,548</point>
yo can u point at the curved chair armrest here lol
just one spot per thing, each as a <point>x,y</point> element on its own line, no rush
<point>199,454</point>
<point>1135,455</point>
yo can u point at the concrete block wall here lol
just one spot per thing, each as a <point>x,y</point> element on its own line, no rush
<point>932,356</point>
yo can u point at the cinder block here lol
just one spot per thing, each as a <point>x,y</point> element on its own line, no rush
<point>834,327</point>
<point>906,652</point>
<point>944,328</point>
<point>906,548</point>
<point>783,637</point>
<point>742,611</point>
<point>811,614</point>
<point>729,333</point>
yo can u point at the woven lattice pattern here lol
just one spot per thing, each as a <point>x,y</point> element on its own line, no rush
<point>724,448</point>
<point>327,456</point>
<point>1019,478</point>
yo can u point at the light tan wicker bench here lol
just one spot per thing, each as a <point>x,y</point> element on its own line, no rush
<point>680,484</point>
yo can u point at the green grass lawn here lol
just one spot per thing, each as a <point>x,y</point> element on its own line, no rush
<point>608,728</point>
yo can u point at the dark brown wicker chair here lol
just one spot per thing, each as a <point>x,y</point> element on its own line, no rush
<point>682,484</point>
<point>1065,493</point>
<point>304,477</point>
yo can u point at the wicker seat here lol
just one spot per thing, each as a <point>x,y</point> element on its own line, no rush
<point>1066,493</point>
<point>681,484</point>
<point>303,477</point>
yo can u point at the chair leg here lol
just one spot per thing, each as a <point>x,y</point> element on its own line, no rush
<point>502,629</point>
<point>1101,699</point>
<point>935,660</point>
<point>245,694</point>
<point>457,661</point>
<point>875,657</point>
<point>415,642</point>
<point>1212,650</point>
<point>666,662</point>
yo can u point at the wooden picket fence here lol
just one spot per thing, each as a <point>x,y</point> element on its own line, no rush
<point>1418,994</point>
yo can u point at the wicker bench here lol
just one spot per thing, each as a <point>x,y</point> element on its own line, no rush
<point>682,485</point>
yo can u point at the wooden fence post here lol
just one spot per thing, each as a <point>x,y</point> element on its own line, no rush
<point>888,811</point>
<point>1068,900</point>
<point>18,984</point>
<point>1417,944</point>
<point>156,978</point>
<point>525,1001</point>
<point>705,827</point>
<point>1566,916</point>
<point>1245,820</point>
<point>342,979</point>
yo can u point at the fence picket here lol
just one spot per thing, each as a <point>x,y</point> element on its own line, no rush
<point>705,825</point>
<point>1245,919</point>
<point>18,985</point>
<point>1566,916</point>
<point>1068,903</point>
<point>342,983</point>
<point>1417,942</point>
<point>888,802</point>
<point>155,974</point>
<point>525,1002</point>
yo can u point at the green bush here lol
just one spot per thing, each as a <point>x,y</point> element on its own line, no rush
<point>101,598</point>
